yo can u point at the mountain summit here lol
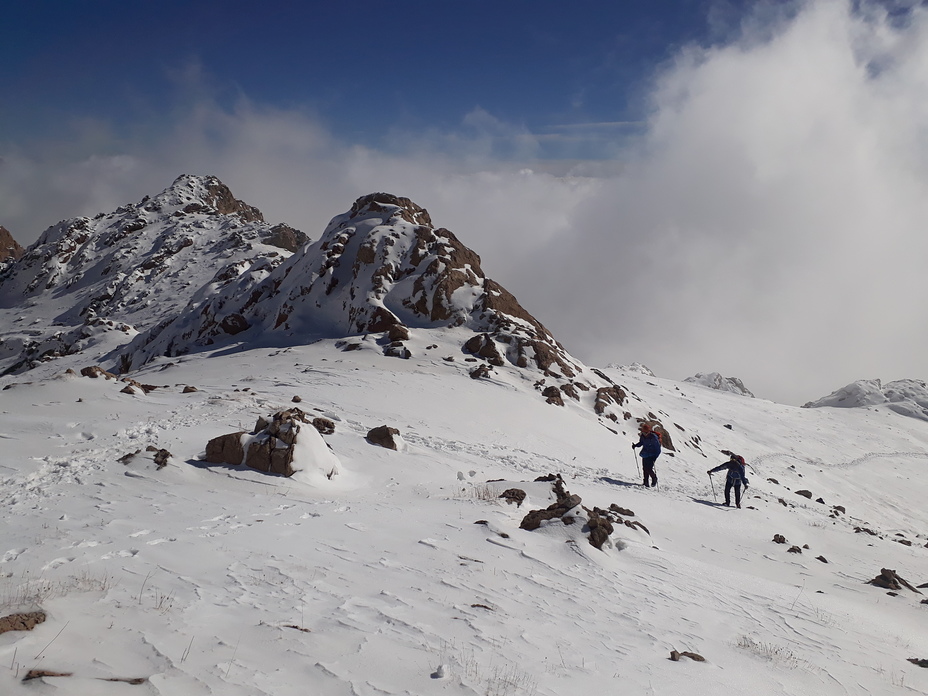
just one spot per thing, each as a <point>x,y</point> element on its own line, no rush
<point>130,268</point>
<point>382,271</point>
<point>380,267</point>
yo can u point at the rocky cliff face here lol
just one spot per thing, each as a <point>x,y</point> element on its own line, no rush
<point>9,247</point>
<point>132,267</point>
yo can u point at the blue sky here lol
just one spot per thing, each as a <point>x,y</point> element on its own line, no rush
<point>364,68</point>
<point>700,185</point>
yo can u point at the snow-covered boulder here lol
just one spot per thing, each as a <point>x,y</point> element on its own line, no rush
<point>279,444</point>
<point>713,380</point>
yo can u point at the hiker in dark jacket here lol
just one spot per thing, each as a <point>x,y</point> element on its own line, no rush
<point>650,444</point>
<point>735,478</point>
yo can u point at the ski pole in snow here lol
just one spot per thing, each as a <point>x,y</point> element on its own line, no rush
<point>635,456</point>
<point>711,483</point>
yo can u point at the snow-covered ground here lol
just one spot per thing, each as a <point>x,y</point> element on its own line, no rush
<point>405,574</point>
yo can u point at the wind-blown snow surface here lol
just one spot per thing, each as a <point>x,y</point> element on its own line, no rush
<point>212,579</point>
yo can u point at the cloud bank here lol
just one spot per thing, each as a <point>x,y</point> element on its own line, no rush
<point>767,223</point>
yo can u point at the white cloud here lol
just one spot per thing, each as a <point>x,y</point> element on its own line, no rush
<point>768,224</point>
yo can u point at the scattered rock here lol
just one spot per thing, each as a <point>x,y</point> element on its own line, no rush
<point>794,549</point>
<point>226,449</point>
<point>805,494</point>
<point>480,372</point>
<point>189,390</point>
<point>600,528</point>
<point>839,508</point>
<point>297,399</point>
<point>890,580</point>
<point>864,530</point>
<point>822,559</point>
<point>398,332</point>
<point>24,621</point>
<point>820,500</point>
<point>324,425</point>
<point>513,495</point>
<point>161,458</point>
<point>774,481</point>
<point>126,458</point>
<point>919,662</point>
<point>383,436</point>
<point>779,539</point>
<point>675,656</point>
<point>553,395</point>
<point>39,673</point>
<point>95,371</point>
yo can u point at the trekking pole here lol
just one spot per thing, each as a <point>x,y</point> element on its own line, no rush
<point>711,483</point>
<point>635,456</point>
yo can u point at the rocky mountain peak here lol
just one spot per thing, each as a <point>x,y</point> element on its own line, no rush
<point>392,206</point>
<point>381,269</point>
<point>133,267</point>
<point>202,194</point>
<point>9,247</point>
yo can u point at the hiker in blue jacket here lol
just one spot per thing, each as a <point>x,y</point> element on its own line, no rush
<point>650,444</point>
<point>735,478</point>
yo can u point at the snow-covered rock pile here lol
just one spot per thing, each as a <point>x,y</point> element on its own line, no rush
<point>279,444</point>
<point>908,397</point>
<point>130,269</point>
<point>714,380</point>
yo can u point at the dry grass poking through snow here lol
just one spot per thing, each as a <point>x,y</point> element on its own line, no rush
<point>26,592</point>
<point>778,654</point>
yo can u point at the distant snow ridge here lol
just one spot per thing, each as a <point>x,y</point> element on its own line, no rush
<point>131,268</point>
<point>635,367</point>
<point>714,380</point>
<point>908,397</point>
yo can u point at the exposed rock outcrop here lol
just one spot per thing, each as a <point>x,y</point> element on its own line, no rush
<point>9,247</point>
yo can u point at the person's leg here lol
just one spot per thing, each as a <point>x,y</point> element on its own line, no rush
<point>728,484</point>
<point>650,478</point>
<point>738,493</point>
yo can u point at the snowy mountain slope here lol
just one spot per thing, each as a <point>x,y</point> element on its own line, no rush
<point>908,397</point>
<point>383,268</point>
<point>127,270</point>
<point>404,574</point>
